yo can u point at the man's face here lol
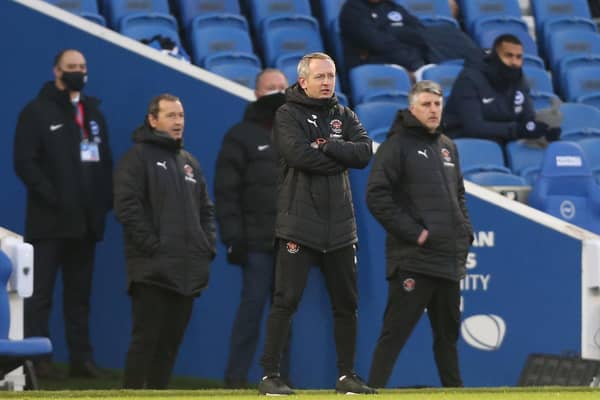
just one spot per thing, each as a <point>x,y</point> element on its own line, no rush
<point>511,54</point>
<point>169,119</point>
<point>71,61</point>
<point>427,108</point>
<point>269,83</point>
<point>320,83</point>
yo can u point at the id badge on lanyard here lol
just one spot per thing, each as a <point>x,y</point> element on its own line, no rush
<point>88,149</point>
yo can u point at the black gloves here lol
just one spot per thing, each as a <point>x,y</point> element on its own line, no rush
<point>237,253</point>
<point>532,130</point>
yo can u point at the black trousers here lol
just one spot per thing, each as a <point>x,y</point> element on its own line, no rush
<point>76,258</point>
<point>291,272</point>
<point>159,320</point>
<point>409,295</point>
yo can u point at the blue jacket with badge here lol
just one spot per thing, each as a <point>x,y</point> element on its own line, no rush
<point>487,104</point>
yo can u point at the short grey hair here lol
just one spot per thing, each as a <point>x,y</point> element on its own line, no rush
<point>303,66</point>
<point>424,87</point>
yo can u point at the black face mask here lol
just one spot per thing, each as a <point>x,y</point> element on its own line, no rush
<point>74,80</point>
<point>505,73</point>
<point>270,103</point>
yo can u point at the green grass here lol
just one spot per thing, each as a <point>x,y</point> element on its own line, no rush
<point>558,393</point>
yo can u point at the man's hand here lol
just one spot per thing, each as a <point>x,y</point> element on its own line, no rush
<point>423,237</point>
<point>318,143</point>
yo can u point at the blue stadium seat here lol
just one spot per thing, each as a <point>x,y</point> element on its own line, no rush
<point>336,48</point>
<point>377,116</point>
<point>290,34</point>
<point>564,24</point>
<point>571,43</point>
<point>76,6</point>
<point>494,178</point>
<point>444,74</point>
<point>476,10</point>
<point>97,18</point>
<point>144,26</point>
<point>479,155</point>
<point>524,160</point>
<point>16,353</point>
<point>288,64</point>
<point>540,85</point>
<point>545,12</point>
<point>488,29</point>
<point>342,98</point>
<point>566,187</point>
<point>240,73</point>
<point>231,57</point>
<point>190,9</point>
<point>330,10</point>
<point>264,9</point>
<point>217,39</point>
<point>591,149</point>
<point>579,121</point>
<point>430,11</point>
<point>582,84</point>
<point>117,9</point>
<point>372,82</point>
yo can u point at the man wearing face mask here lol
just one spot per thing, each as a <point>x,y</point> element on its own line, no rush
<point>245,197</point>
<point>490,99</point>
<point>62,155</point>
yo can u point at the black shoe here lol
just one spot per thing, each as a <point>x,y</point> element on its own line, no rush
<point>352,384</point>
<point>86,369</point>
<point>273,385</point>
<point>46,369</point>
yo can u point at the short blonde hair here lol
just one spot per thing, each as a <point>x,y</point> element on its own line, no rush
<point>424,87</point>
<point>304,64</point>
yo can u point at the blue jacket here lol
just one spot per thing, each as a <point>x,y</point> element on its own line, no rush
<point>484,105</point>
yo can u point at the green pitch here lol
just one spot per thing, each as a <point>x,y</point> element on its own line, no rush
<point>548,393</point>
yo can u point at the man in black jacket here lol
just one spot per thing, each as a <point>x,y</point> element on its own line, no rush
<point>245,196</point>
<point>415,190</point>
<point>317,140</point>
<point>384,32</point>
<point>490,99</point>
<point>162,201</point>
<point>62,155</point>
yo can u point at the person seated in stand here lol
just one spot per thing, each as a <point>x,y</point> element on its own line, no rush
<point>491,100</point>
<point>383,32</point>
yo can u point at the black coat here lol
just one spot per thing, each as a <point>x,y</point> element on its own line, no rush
<point>415,184</point>
<point>486,106</point>
<point>66,198</point>
<point>314,204</point>
<point>246,182</point>
<point>168,220</point>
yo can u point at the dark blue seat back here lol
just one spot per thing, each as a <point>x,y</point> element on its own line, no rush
<point>372,82</point>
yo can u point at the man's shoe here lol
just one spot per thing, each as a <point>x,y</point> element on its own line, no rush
<point>352,384</point>
<point>46,369</point>
<point>273,385</point>
<point>86,369</point>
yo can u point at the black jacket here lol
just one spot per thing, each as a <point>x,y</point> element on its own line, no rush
<point>314,204</point>
<point>387,33</point>
<point>416,184</point>
<point>162,201</point>
<point>485,105</point>
<point>66,198</point>
<point>246,180</point>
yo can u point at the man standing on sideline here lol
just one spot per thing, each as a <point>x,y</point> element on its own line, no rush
<point>162,201</point>
<point>415,190</point>
<point>317,140</point>
<point>245,197</point>
<point>62,155</point>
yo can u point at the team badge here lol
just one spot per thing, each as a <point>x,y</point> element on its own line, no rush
<point>336,126</point>
<point>292,247</point>
<point>95,131</point>
<point>446,155</point>
<point>409,284</point>
<point>519,98</point>
<point>189,173</point>
<point>394,16</point>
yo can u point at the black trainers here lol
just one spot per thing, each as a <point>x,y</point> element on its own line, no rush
<point>352,384</point>
<point>273,385</point>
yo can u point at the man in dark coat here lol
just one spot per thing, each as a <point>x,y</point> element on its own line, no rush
<point>162,201</point>
<point>245,197</point>
<point>62,155</point>
<point>383,32</point>
<point>490,99</point>
<point>415,190</point>
<point>317,140</point>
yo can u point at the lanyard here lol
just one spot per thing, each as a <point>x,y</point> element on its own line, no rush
<point>79,121</point>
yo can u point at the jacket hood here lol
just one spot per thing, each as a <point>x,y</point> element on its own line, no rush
<point>295,94</point>
<point>407,123</point>
<point>145,134</point>
<point>50,91</point>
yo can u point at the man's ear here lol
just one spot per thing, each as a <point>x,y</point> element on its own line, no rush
<point>152,120</point>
